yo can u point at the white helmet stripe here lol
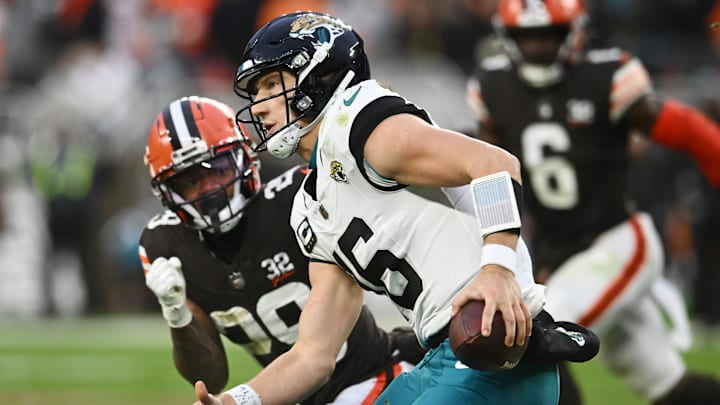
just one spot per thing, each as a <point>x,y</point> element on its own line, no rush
<point>182,130</point>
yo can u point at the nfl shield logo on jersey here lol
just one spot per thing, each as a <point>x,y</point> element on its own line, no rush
<point>237,281</point>
<point>580,112</point>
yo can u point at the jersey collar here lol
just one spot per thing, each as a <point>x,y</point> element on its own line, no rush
<point>312,164</point>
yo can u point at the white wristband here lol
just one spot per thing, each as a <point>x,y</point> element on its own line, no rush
<point>501,255</point>
<point>244,395</point>
<point>177,316</point>
<point>496,206</point>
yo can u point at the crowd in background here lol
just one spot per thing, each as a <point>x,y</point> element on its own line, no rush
<point>81,80</point>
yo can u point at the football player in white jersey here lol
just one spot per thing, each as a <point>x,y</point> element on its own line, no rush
<point>372,214</point>
<point>568,113</point>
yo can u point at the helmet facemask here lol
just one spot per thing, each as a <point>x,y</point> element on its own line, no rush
<point>307,100</point>
<point>201,163</point>
<point>219,209</point>
<point>283,142</point>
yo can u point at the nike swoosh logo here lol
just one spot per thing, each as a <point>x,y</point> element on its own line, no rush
<point>350,100</point>
<point>575,336</point>
<point>459,365</point>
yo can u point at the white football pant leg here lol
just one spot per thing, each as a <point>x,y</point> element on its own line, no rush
<point>612,288</point>
<point>669,299</point>
<point>640,351</point>
<point>595,286</point>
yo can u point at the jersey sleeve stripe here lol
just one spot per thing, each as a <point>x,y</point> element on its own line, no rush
<point>629,83</point>
<point>473,96</point>
<point>144,260</point>
<point>316,260</point>
<point>366,121</point>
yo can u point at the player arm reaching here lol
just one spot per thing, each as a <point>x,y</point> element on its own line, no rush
<point>668,122</point>
<point>411,151</point>
<point>197,349</point>
<point>678,126</point>
<point>634,104</point>
<point>311,360</point>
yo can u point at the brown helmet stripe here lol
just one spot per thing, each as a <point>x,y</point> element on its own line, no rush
<point>180,122</point>
<point>170,125</point>
<point>189,117</point>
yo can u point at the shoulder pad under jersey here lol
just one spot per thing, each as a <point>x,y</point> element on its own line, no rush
<point>496,62</point>
<point>606,55</point>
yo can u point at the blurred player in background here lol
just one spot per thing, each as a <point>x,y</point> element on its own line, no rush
<point>568,114</point>
<point>307,78</point>
<point>222,258</point>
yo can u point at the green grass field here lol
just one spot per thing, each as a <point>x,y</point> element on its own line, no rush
<point>126,360</point>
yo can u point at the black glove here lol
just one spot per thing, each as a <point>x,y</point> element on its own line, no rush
<point>553,341</point>
<point>404,345</point>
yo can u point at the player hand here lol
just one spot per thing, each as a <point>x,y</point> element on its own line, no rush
<point>203,396</point>
<point>166,281</point>
<point>498,288</point>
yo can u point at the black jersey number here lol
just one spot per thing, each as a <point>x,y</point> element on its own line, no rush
<point>385,270</point>
<point>553,178</point>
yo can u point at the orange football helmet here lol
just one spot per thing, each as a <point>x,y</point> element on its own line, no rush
<point>194,137</point>
<point>564,19</point>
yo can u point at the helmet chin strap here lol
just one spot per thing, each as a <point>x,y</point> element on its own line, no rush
<point>284,142</point>
<point>214,220</point>
<point>536,75</point>
<point>541,75</point>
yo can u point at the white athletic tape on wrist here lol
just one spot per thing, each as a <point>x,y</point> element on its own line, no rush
<point>244,395</point>
<point>177,316</point>
<point>496,207</point>
<point>499,254</point>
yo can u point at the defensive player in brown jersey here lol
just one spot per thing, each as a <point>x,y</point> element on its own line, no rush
<point>568,113</point>
<point>222,259</point>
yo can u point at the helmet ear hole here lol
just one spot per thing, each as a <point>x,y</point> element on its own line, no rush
<point>301,103</point>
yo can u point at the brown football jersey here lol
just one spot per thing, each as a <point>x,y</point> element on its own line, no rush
<point>253,283</point>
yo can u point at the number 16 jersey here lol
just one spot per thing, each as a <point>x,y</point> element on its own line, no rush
<point>394,240</point>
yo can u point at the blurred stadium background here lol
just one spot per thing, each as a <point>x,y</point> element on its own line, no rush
<point>80,81</point>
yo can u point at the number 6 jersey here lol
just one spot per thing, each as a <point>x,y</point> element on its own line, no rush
<point>571,141</point>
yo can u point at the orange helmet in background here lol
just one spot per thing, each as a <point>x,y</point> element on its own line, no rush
<point>194,133</point>
<point>564,18</point>
<point>539,13</point>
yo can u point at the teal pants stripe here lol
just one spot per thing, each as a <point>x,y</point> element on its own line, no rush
<point>441,379</point>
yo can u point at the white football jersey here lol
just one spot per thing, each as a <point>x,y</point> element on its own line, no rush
<point>405,242</point>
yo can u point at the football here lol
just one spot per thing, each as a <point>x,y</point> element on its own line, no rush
<point>477,351</point>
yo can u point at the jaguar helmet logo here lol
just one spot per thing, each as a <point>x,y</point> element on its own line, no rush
<point>321,28</point>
